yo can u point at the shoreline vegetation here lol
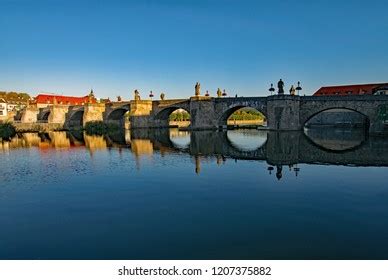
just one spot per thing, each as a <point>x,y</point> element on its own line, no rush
<point>99,128</point>
<point>7,131</point>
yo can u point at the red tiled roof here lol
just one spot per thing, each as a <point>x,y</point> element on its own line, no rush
<point>368,89</point>
<point>60,99</point>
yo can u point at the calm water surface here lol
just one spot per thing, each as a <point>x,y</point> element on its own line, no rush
<point>168,194</point>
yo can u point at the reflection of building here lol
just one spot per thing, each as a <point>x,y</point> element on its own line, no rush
<point>44,100</point>
<point>363,89</point>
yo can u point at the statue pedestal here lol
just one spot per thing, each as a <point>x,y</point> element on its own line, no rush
<point>200,98</point>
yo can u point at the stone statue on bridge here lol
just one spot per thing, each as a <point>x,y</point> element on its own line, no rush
<point>197,89</point>
<point>162,96</point>
<point>119,98</point>
<point>219,92</point>
<point>137,95</point>
<point>292,90</point>
<point>280,87</point>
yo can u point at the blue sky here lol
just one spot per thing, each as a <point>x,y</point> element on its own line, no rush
<point>67,47</point>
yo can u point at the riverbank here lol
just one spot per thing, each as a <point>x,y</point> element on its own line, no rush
<point>38,127</point>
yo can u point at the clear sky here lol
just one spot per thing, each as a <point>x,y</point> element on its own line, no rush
<point>67,47</point>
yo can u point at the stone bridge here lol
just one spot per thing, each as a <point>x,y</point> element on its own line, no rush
<point>283,112</point>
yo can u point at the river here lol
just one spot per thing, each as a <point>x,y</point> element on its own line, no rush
<point>170,194</point>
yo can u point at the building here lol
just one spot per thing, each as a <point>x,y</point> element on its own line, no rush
<point>43,100</point>
<point>15,101</point>
<point>3,109</point>
<point>362,89</point>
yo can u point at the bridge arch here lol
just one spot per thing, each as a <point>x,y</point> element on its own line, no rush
<point>225,115</point>
<point>44,115</point>
<point>165,113</point>
<point>306,117</point>
<point>75,117</point>
<point>116,115</point>
<point>162,118</point>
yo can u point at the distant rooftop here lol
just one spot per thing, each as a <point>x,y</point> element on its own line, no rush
<point>360,89</point>
<point>44,98</point>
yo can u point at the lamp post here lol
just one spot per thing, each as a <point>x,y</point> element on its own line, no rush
<point>298,88</point>
<point>207,93</point>
<point>224,94</point>
<point>151,94</point>
<point>271,89</point>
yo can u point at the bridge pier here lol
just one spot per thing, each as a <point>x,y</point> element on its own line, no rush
<point>30,115</point>
<point>58,114</point>
<point>93,112</point>
<point>283,112</point>
<point>376,126</point>
<point>140,116</point>
<point>203,113</point>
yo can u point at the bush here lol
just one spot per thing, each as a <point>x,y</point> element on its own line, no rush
<point>246,114</point>
<point>179,116</point>
<point>99,128</point>
<point>7,130</point>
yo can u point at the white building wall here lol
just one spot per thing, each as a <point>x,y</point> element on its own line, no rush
<point>3,110</point>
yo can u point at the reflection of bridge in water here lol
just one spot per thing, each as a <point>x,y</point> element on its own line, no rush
<point>330,147</point>
<point>284,148</point>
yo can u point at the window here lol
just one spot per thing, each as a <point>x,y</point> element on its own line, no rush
<point>1,113</point>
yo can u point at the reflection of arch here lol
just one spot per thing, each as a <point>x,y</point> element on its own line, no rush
<point>227,113</point>
<point>217,143</point>
<point>336,147</point>
<point>180,139</point>
<point>311,115</point>
<point>76,135</point>
<point>241,144</point>
<point>116,138</point>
